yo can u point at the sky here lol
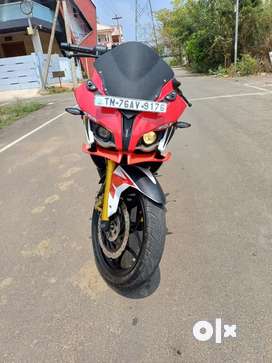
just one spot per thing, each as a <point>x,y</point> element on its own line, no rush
<point>106,9</point>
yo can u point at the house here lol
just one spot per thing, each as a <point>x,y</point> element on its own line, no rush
<point>16,41</point>
<point>109,35</point>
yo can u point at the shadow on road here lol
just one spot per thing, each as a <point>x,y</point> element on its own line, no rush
<point>143,291</point>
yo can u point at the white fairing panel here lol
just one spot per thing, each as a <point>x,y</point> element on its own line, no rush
<point>120,182</point>
<point>88,132</point>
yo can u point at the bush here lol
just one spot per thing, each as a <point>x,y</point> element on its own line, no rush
<point>231,70</point>
<point>196,52</point>
<point>174,62</point>
<point>247,65</point>
<point>220,71</point>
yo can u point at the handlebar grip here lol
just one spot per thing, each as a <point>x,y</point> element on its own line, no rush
<point>64,46</point>
<point>77,48</point>
<point>99,50</point>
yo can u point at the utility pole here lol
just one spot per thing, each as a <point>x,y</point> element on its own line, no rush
<point>52,36</point>
<point>36,41</point>
<point>26,7</point>
<point>136,20</point>
<point>236,33</point>
<point>69,40</point>
<point>117,18</point>
<point>153,24</point>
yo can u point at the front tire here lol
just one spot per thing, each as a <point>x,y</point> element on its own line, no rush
<point>150,228</point>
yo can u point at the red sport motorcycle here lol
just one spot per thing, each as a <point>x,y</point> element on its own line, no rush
<point>130,111</point>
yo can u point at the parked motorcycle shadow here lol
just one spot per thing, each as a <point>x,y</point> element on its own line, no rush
<point>143,291</point>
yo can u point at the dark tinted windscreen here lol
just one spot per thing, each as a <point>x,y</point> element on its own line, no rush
<point>133,70</point>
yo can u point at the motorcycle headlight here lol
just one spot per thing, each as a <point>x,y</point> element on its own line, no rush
<point>103,133</point>
<point>103,137</point>
<point>150,138</point>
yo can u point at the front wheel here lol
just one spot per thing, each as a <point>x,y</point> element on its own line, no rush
<point>129,253</point>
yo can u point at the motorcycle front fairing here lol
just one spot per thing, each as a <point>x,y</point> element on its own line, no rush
<point>135,71</point>
<point>131,70</point>
<point>113,119</point>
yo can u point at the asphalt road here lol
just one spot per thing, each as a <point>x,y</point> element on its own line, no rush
<point>54,307</point>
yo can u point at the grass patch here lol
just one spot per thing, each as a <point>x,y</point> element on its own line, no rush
<point>15,111</point>
<point>53,90</point>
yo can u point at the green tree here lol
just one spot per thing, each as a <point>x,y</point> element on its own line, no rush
<point>203,31</point>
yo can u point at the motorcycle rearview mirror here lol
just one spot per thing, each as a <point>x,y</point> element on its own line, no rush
<point>182,125</point>
<point>74,111</point>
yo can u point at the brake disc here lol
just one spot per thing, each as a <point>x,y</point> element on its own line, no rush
<point>112,237</point>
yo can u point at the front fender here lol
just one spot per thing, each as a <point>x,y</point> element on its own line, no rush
<point>136,177</point>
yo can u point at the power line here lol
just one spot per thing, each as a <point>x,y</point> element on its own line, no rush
<point>153,24</point>
<point>142,10</point>
<point>112,14</point>
<point>136,20</point>
<point>113,8</point>
<point>117,18</point>
<point>146,11</point>
<point>108,6</point>
<point>107,9</point>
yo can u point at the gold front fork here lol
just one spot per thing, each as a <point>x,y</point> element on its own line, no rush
<point>109,171</point>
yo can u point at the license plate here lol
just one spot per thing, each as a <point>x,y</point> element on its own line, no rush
<point>130,104</point>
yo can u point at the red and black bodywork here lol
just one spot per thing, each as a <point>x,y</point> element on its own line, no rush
<point>128,147</point>
<point>128,127</point>
<point>134,71</point>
